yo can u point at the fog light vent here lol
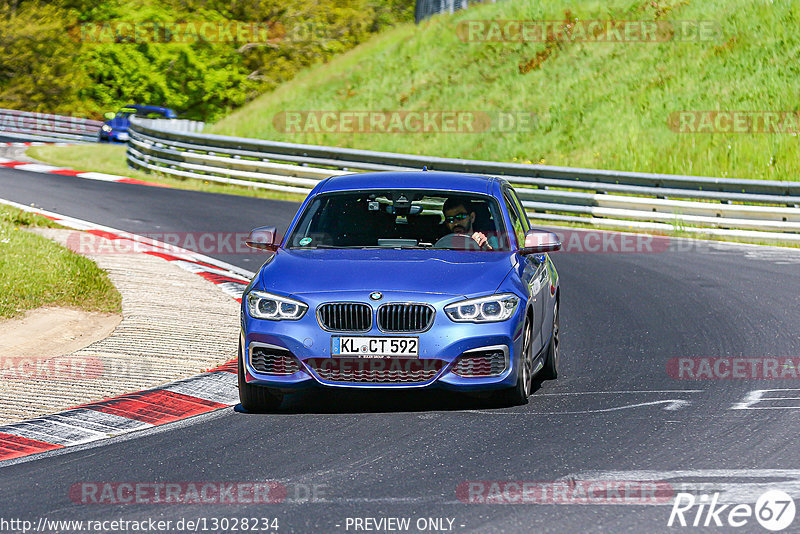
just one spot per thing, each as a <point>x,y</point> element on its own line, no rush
<point>481,363</point>
<point>271,361</point>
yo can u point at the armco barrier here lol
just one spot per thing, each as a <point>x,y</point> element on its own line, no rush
<point>177,125</point>
<point>427,8</point>
<point>31,126</point>
<point>762,209</point>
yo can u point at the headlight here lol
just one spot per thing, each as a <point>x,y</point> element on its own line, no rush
<point>105,128</point>
<point>489,309</point>
<point>262,305</point>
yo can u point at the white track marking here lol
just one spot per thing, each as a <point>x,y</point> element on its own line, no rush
<point>218,387</point>
<point>52,431</point>
<point>621,392</point>
<point>671,405</point>
<point>736,486</point>
<point>100,176</point>
<point>107,423</point>
<point>756,396</point>
<point>35,167</point>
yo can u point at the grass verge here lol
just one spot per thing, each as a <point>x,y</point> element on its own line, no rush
<point>110,159</point>
<point>606,105</point>
<point>35,271</point>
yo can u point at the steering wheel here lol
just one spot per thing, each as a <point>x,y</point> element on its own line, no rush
<point>458,242</point>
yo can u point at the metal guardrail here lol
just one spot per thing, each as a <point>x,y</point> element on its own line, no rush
<point>427,8</point>
<point>47,127</point>
<point>177,125</point>
<point>722,206</point>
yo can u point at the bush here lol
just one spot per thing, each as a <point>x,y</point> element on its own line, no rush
<point>53,62</point>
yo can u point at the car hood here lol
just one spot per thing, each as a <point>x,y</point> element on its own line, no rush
<point>119,124</point>
<point>446,272</point>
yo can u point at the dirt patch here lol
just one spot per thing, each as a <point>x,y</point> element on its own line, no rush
<point>49,332</point>
<point>157,341</point>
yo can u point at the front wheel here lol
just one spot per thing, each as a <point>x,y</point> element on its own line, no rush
<point>519,394</point>
<point>256,399</point>
<point>550,369</point>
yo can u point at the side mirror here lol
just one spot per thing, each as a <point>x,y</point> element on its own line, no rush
<point>538,241</point>
<point>109,115</point>
<point>264,238</point>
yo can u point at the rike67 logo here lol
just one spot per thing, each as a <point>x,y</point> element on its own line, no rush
<point>774,510</point>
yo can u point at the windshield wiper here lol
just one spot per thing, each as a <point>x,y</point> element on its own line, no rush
<point>366,247</point>
<point>334,247</point>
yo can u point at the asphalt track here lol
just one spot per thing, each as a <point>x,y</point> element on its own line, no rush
<point>614,412</point>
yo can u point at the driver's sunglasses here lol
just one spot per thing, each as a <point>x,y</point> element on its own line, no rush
<point>453,218</point>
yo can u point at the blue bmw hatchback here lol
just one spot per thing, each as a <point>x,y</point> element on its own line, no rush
<point>115,128</point>
<point>402,280</point>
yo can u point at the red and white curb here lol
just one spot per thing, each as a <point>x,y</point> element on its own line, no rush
<point>171,402</point>
<point>32,143</point>
<point>50,169</point>
<point>123,414</point>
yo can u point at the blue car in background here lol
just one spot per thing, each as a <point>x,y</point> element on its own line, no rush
<point>402,280</point>
<point>115,128</point>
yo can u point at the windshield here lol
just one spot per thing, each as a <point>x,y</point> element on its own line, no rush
<point>401,219</point>
<point>127,112</point>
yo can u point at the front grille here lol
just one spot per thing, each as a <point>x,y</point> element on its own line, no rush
<point>345,317</point>
<point>271,361</point>
<point>376,370</point>
<point>405,317</point>
<point>480,364</point>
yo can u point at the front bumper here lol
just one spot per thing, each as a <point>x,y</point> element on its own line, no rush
<point>113,136</point>
<point>439,349</point>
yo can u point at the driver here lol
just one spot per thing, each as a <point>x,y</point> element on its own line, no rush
<point>459,216</point>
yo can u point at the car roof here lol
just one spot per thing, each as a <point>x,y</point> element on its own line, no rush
<point>446,181</point>
<point>148,108</point>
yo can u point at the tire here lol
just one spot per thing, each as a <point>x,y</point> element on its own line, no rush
<point>256,399</point>
<point>550,369</point>
<point>518,395</point>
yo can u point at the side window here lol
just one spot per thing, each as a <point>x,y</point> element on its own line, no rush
<point>513,213</point>
<point>526,224</point>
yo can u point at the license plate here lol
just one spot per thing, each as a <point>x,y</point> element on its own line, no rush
<point>368,347</point>
<point>123,136</point>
